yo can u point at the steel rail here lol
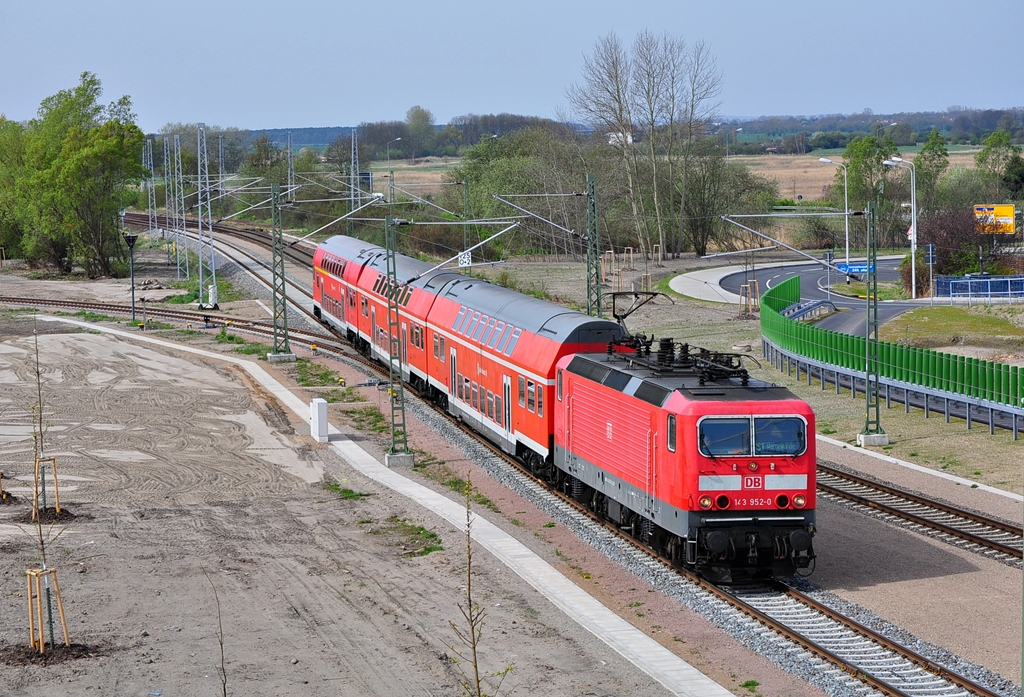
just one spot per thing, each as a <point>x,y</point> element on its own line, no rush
<point>847,667</point>
<point>918,519</point>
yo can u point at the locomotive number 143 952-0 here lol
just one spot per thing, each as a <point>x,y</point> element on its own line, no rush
<point>752,501</point>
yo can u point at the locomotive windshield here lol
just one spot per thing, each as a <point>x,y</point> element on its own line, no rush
<point>778,436</point>
<point>725,437</point>
<point>770,436</point>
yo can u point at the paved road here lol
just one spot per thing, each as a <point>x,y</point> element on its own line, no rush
<point>852,318</point>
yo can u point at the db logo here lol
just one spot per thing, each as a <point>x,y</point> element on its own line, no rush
<point>754,482</point>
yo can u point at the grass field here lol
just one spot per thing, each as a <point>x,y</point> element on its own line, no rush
<point>993,326</point>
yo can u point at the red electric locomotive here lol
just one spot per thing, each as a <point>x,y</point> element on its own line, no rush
<point>681,447</point>
<point>692,456</point>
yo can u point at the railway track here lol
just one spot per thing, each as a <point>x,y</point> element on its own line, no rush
<point>204,319</point>
<point>299,255</point>
<point>995,538</point>
<point>837,644</point>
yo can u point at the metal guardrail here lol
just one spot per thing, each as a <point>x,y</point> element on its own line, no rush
<point>958,386</point>
<point>949,404</point>
<point>809,309</point>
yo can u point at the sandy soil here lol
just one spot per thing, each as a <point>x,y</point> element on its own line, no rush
<point>187,478</point>
<point>185,467</point>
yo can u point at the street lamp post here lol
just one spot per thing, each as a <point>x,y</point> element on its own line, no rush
<point>846,208</point>
<point>900,162</point>
<point>391,177</point>
<point>735,138</point>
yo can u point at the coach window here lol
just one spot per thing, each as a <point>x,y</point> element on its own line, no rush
<point>512,344</point>
<point>495,335</point>
<point>465,388</point>
<point>531,396</point>
<point>458,385</point>
<point>504,337</point>
<point>465,322</point>
<point>441,355</point>
<point>352,300</point>
<point>522,391</point>
<point>437,344</point>
<point>490,405</point>
<point>671,428</point>
<point>490,330</point>
<point>558,386</point>
<point>540,400</point>
<point>462,312</point>
<point>472,325</point>
<point>364,304</point>
<point>474,402</point>
<point>480,328</point>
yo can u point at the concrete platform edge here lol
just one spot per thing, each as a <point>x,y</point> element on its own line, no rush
<point>672,672</point>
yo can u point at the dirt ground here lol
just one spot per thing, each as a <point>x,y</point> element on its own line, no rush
<point>187,478</point>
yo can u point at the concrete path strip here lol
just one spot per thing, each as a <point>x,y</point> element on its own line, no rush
<point>675,674</point>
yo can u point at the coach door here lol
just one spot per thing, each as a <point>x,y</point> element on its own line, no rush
<point>652,470</point>
<point>506,406</point>
<point>452,377</point>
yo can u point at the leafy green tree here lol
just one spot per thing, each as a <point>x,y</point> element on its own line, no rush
<point>1013,177</point>
<point>80,158</point>
<point>993,158</point>
<point>12,165</point>
<point>90,187</point>
<point>870,180</point>
<point>422,134</point>
<point>931,163</point>
<point>863,158</point>
<point>961,188</point>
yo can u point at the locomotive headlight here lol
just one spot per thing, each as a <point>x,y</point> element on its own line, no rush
<point>752,466</point>
<point>704,501</point>
<point>799,500</point>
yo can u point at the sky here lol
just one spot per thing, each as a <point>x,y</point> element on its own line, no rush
<point>308,63</point>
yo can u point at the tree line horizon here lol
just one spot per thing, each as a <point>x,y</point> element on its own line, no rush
<point>654,139</point>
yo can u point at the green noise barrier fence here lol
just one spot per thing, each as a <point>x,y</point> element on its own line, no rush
<point>969,377</point>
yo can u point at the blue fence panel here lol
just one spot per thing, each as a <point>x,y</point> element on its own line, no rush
<point>979,286</point>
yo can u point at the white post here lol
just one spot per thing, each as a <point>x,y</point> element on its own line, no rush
<point>318,419</point>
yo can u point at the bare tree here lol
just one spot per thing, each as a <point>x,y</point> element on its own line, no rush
<point>605,100</point>
<point>698,109</point>
<point>472,682</point>
<point>664,95</point>
<point>657,65</point>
